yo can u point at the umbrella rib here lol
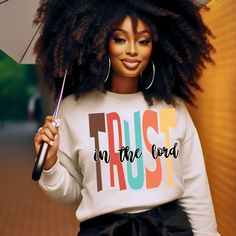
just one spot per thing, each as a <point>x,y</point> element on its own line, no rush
<point>4,1</point>
<point>29,45</point>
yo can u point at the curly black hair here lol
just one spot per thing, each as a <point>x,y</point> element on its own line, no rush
<point>75,33</point>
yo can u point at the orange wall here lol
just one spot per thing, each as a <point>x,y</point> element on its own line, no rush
<point>215,117</point>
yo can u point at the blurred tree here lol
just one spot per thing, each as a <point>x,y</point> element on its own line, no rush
<point>17,84</point>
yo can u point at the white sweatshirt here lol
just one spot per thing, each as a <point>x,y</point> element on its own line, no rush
<point>117,154</point>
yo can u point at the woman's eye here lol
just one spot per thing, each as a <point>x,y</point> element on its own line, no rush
<point>144,42</point>
<point>119,40</point>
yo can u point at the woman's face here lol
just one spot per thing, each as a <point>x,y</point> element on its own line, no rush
<point>130,51</point>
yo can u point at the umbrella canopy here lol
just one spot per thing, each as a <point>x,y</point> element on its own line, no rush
<point>201,3</point>
<point>18,35</point>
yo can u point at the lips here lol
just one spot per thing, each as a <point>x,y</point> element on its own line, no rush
<point>130,63</point>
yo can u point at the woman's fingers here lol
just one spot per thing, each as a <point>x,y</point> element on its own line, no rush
<point>47,140</point>
<point>49,119</point>
<point>48,133</point>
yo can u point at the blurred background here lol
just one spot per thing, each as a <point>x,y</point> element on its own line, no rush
<point>215,117</point>
<point>25,210</point>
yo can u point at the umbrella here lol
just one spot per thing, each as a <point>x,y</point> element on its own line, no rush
<point>201,3</point>
<point>18,35</point>
<point>43,151</point>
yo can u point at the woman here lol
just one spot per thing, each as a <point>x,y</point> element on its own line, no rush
<point>128,153</point>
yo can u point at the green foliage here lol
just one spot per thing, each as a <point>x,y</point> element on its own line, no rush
<point>17,84</point>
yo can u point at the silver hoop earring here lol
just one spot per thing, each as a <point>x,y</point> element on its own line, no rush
<point>109,69</point>
<point>153,76</point>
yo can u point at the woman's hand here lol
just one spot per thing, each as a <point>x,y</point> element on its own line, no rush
<point>49,134</point>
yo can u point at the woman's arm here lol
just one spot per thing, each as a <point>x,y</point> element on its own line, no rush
<point>60,178</point>
<point>61,184</point>
<point>196,199</point>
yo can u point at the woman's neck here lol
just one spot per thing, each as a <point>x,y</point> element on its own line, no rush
<point>124,85</point>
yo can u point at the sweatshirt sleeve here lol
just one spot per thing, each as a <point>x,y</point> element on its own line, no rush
<point>61,184</point>
<point>196,199</point>
<point>64,180</point>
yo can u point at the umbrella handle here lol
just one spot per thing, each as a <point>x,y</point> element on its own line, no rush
<point>40,160</point>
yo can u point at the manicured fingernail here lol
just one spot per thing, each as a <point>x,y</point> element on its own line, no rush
<point>55,137</point>
<point>40,128</point>
<point>57,122</point>
<point>51,143</point>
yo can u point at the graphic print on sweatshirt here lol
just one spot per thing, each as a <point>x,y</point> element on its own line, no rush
<point>123,157</point>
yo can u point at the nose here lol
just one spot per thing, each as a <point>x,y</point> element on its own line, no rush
<point>131,49</point>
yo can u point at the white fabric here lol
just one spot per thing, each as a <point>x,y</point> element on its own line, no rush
<point>127,120</point>
<point>18,34</point>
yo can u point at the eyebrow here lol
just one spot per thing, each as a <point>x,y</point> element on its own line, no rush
<point>140,32</point>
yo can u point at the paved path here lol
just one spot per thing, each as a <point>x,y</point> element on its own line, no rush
<point>25,210</point>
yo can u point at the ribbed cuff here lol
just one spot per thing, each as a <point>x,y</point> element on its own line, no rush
<point>52,176</point>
